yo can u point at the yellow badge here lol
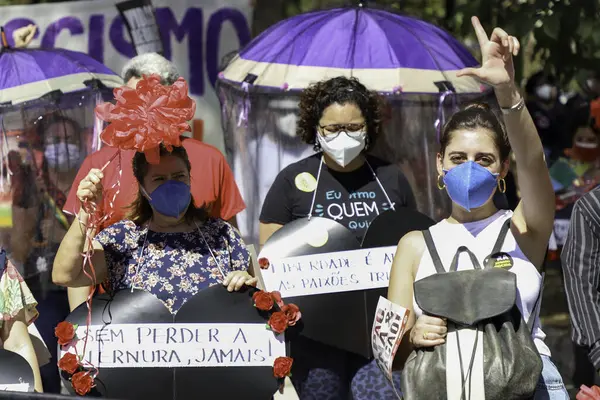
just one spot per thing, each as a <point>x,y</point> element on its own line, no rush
<point>500,260</point>
<point>306,182</point>
<point>318,238</point>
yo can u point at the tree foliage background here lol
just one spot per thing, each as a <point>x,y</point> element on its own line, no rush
<point>561,36</point>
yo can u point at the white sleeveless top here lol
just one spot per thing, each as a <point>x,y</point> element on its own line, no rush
<point>480,237</point>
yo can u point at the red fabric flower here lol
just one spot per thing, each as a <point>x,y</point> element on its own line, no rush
<point>262,300</point>
<point>65,332</point>
<point>263,263</point>
<point>69,363</point>
<point>277,298</point>
<point>282,367</point>
<point>82,382</point>
<point>278,322</point>
<point>147,116</point>
<point>586,393</point>
<point>292,312</point>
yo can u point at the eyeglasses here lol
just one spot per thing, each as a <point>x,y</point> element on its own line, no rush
<point>330,132</point>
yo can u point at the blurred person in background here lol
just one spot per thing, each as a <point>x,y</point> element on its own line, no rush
<point>212,182</point>
<point>548,114</point>
<point>578,173</point>
<point>257,167</point>
<point>578,170</point>
<point>581,268</point>
<point>43,170</point>
<point>578,105</point>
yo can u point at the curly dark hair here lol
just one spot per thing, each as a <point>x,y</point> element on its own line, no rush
<point>318,96</point>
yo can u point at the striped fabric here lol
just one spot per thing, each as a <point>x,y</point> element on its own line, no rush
<point>581,268</point>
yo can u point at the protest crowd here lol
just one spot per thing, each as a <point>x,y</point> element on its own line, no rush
<point>135,265</point>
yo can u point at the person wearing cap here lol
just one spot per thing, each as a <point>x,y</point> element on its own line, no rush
<point>547,113</point>
<point>212,182</point>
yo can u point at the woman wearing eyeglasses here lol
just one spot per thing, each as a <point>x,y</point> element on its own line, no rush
<point>342,119</point>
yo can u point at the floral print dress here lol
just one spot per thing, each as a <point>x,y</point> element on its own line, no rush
<point>15,296</point>
<point>172,266</point>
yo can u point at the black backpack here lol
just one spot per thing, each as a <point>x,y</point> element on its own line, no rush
<point>479,298</point>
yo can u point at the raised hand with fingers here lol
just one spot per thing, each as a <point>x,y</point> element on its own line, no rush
<point>497,68</point>
<point>24,35</point>
<point>90,187</point>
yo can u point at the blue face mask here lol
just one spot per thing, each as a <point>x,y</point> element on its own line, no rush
<point>171,198</point>
<point>470,185</point>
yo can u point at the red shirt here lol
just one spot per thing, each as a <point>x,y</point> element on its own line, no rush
<point>212,182</point>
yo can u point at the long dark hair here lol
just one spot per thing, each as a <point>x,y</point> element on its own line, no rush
<point>477,115</point>
<point>140,210</point>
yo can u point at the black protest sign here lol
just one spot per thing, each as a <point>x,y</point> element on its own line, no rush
<point>15,372</point>
<point>140,21</point>
<point>319,266</point>
<point>216,346</point>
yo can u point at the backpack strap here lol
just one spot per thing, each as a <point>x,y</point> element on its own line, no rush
<point>536,308</point>
<point>464,249</point>
<point>488,263</point>
<point>435,257</point>
<point>501,237</point>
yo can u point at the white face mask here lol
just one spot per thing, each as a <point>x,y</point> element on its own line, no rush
<point>62,155</point>
<point>287,124</point>
<point>544,91</point>
<point>343,149</point>
<point>586,145</point>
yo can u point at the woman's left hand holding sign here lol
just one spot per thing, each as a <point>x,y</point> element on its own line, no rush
<point>237,279</point>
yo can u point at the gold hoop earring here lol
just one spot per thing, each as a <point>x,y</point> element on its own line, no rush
<point>502,185</point>
<point>440,182</point>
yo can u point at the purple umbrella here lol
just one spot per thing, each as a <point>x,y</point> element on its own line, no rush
<point>28,74</point>
<point>385,51</point>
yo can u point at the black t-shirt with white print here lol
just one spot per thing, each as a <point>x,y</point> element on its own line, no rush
<point>353,198</point>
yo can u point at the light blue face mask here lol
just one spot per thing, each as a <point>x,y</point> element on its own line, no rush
<point>470,185</point>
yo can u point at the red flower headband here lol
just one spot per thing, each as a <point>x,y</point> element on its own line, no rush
<point>147,116</point>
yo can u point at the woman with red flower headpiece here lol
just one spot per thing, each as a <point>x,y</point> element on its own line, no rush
<point>168,245</point>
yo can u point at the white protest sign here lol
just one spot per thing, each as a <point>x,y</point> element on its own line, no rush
<point>179,345</point>
<point>388,328</point>
<point>561,229</point>
<point>342,271</point>
<point>15,387</point>
<point>196,35</point>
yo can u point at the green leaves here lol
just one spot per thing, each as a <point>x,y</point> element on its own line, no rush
<point>567,40</point>
<point>551,26</point>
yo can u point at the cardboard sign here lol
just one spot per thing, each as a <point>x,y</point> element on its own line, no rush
<point>15,387</point>
<point>15,372</point>
<point>388,328</point>
<point>561,229</point>
<point>140,21</point>
<point>341,271</point>
<point>167,338</point>
<point>179,345</point>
